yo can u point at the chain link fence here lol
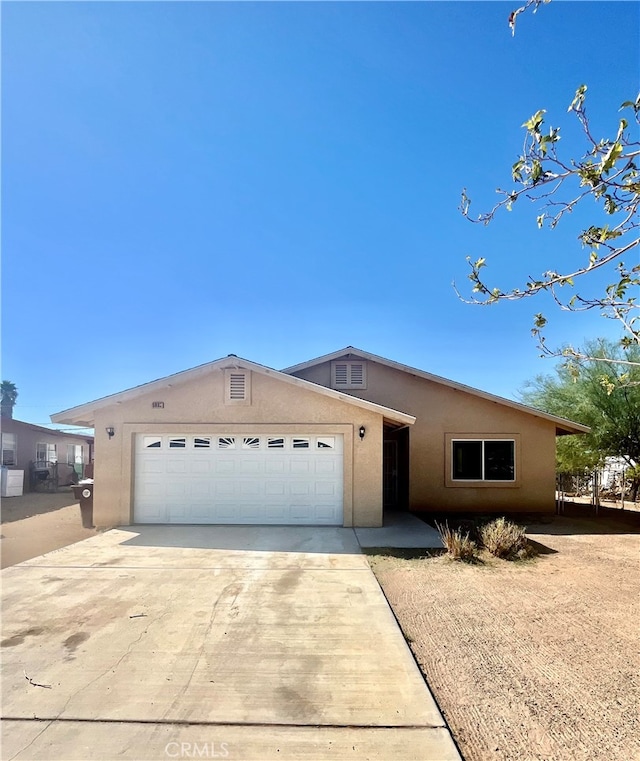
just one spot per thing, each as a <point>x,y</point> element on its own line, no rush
<point>608,486</point>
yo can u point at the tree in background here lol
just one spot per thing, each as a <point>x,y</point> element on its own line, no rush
<point>603,172</point>
<point>8,396</point>
<point>612,412</point>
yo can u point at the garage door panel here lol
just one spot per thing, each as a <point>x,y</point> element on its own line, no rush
<point>176,466</point>
<point>198,466</point>
<point>325,489</point>
<point>280,479</point>
<point>224,488</point>
<point>153,465</point>
<point>249,466</point>
<point>328,465</point>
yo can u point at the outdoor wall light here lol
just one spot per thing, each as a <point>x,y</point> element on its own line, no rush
<point>362,432</point>
<point>110,431</point>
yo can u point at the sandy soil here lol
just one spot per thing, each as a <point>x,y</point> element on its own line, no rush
<point>39,522</point>
<point>536,659</point>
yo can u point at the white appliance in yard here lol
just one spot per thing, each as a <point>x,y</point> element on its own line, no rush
<point>11,482</point>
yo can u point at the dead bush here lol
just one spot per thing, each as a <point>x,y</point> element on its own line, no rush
<point>459,546</point>
<point>505,539</point>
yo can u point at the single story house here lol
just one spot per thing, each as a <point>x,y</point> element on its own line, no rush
<point>337,440</point>
<point>25,444</point>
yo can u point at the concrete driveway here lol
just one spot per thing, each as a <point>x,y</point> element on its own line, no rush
<point>210,642</point>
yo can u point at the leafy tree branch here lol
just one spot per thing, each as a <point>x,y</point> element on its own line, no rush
<point>605,172</point>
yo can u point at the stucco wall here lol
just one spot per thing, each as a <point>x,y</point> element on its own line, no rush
<point>441,411</point>
<point>198,405</point>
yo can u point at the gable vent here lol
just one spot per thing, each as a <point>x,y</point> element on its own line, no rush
<point>341,374</point>
<point>357,374</point>
<point>237,386</point>
<point>348,375</point>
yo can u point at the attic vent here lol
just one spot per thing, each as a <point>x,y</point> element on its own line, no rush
<point>348,375</point>
<point>341,374</point>
<point>237,387</point>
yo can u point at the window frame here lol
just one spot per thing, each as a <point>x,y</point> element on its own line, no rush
<point>49,448</point>
<point>9,443</point>
<point>472,483</point>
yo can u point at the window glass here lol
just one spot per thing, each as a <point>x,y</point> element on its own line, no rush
<point>152,442</point>
<point>488,460</point>
<point>326,442</point>
<point>275,443</point>
<point>9,447</point>
<point>177,443</point>
<point>202,442</point>
<point>467,460</point>
<point>301,443</point>
<point>250,442</point>
<point>499,460</point>
<point>226,442</point>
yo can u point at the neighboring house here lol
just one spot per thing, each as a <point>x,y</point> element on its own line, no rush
<point>334,441</point>
<point>25,444</point>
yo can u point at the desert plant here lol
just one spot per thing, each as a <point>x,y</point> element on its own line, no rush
<point>458,545</point>
<point>504,539</point>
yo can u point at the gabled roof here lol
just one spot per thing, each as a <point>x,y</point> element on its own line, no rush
<point>563,426</point>
<point>10,422</point>
<point>84,413</point>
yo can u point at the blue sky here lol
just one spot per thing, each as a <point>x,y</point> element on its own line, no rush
<point>181,181</point>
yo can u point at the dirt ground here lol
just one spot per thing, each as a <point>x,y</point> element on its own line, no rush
<point>39,522</point>
<point>535,659</point>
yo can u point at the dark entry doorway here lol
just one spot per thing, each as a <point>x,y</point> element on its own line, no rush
<point>395,469</point>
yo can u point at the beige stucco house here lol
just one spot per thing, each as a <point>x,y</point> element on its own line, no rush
<point>337,440</point>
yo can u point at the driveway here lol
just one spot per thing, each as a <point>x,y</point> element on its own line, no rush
<point>210,642</point>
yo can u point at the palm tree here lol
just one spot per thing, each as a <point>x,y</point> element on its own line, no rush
<point>8,396</point>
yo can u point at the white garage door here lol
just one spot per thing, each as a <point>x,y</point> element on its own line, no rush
<point>238,478</point>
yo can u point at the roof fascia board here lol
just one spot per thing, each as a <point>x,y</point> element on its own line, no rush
<point>85,412</point>
<point>564,425</point>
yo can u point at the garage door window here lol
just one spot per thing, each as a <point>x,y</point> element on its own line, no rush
<point>275,443</point>
<point>226,442</point>
<point>180,443</point>
<point>301,443</point>
<point>326,442</point>
<point>202,442</point>
<point>250,442</point>
<point>152,442</point>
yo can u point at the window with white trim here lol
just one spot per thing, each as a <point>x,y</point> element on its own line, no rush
<point>237,386</point>
<point>46,452</point>
<point>9,449</point>
<point>75,455</point>
<point>483,460</point>
<point>348,374</point>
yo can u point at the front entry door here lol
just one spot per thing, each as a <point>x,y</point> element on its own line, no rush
<point>395,469</point>
<point>390,474</point>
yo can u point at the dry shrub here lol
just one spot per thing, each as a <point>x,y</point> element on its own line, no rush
<point>459,546</point>
<point>505,539</point>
